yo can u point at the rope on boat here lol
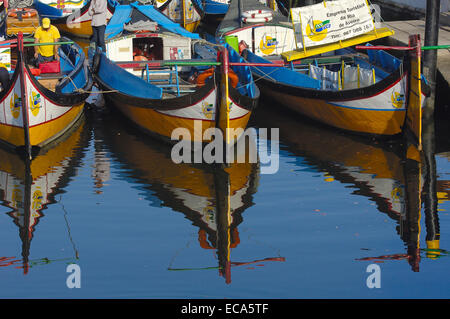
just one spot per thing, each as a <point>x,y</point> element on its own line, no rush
<point>81,90</point>
<point>265,75</point>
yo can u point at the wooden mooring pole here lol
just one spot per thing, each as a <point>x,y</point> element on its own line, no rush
<point>430,56</point>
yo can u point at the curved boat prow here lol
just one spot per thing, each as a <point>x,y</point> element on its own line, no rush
<point>37,110</point>
<point>416,101</point>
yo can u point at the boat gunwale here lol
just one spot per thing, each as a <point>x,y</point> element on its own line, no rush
<point>65,99</point>
<point>339,95</point>
<point>180,102</point>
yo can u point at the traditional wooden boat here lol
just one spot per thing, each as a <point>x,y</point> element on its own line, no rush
<point>152,88</point>
<point>187,13</point>
<point>215,10</point>
<point>308,65</point>
<point>67,6</point>
<point>37,109</point>
<point>28,188</point>
<point>74,22</point>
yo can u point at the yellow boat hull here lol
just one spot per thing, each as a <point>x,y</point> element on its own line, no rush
<point>379,122</point>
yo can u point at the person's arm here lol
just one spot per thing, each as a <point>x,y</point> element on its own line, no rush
<point>56,50</point>
<point>91,8</point>
<point>56,38</point>
<point>36,48</point>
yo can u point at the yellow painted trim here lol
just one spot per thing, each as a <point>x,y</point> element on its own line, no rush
<point>183,3</point>
<point>192,26</point>
<point>41,133</point>
<point>356,120</point>
<point>84,31</point>
<point>11,134</point>
<point>161,124</point>
<point>44,163</point>
<point>44,132</point>
<point>367,37</point>
<point>415,101</point>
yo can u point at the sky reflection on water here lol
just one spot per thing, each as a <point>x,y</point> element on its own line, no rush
<point>140,226</point>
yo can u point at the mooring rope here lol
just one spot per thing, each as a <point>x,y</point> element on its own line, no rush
<point>81,90</point>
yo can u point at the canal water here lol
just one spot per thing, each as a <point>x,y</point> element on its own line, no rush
<point>111,201</point>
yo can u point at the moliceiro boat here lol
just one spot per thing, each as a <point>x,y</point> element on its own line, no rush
<point>66,6</point>
<point>310,64</point>
<point>37,109</point>
<point>169,78</point>
<point>74,22</point>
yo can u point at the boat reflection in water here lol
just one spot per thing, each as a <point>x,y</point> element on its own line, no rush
<point>213,198</point>
<point>443,186</point>
<point>28,187</point>
<point>376,169</point>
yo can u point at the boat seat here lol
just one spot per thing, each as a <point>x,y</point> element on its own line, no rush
<point>50,80</point>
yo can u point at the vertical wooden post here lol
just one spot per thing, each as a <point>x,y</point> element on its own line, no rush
<point>183,12</point>
<point>430,56</point>
<point>23,95</point>
<point>429,191</point>
<point>224,107</point>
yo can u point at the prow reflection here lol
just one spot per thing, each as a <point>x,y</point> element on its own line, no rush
<point>376,169</point>
<point>212,197</point>
<point>28,187</point>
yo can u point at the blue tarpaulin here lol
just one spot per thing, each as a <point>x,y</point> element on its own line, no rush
<point>122,16</point>
<point>213,7</point>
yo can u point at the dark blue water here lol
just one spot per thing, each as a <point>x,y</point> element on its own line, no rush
<point>112,201</point>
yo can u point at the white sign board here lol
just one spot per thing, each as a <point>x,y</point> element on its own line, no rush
<point>5,58</point>
<point>331,21</point>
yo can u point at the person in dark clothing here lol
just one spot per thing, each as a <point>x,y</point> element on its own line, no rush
<point>4,77</point>
<point>99,10</point>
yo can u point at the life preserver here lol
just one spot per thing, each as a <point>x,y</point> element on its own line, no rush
<point>257,14</point>
<point>233,77</point>
<point>201,78</point>
<point>254,16</point>
<point>139,58</point>
<point>26,13</point>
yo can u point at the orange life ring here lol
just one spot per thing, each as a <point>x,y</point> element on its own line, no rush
<point>201,78</point>
<point>209,72</point>
<point>233,77</point>
<point>139,58</point>
<point>26,13</point>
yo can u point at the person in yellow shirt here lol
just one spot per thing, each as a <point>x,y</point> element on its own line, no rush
<point>46,33</point>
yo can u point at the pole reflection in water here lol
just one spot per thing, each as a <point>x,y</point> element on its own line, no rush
<point>443,185</point>
<point>28,187</point>
<point>212,197</point>
<point>376,169</point>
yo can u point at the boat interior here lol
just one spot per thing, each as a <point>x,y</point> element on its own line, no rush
<point>150,53</point>
<point>337,70</point>
<point>67,77</point>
